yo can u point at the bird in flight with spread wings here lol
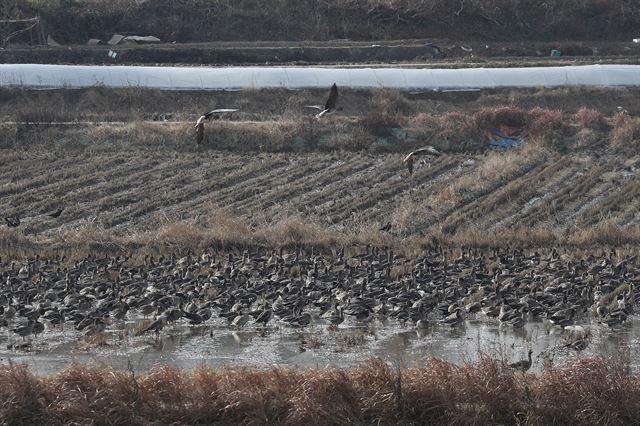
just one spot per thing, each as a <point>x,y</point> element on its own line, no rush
<point>330,106</point>
<point>206,116</point>
<point>426,150</point>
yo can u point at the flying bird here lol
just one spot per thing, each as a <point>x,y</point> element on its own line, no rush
<point>329,106</point>
<point>57,213</point>
<point>427,150</point>
<point>206,116</point>
<point>13,222</point>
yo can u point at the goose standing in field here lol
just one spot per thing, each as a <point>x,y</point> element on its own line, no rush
<point>13,222</point>
<point>386,228</point>
<point>155,326</point>
<point>523,365</point>
<point>200,123</point>
<point>427,150</point>
<point>56,214</point>
<point>329,106</point>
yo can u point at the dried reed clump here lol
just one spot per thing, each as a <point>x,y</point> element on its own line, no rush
<point>591,119</point>
<point>387,109</point>
<point>326,397</point>
<point>452,131</point>
<point>586,391</point>
<point>89,236</point>
<point>605,233</point>
<point>24,398</point>
<point>370,233</point>
<point>625,135</point>
<point>220,227</point>
<point>393,101</point>
<point>14,243</point>
<point>549,124</point>
<point>503,237</point>
<point>379,122</point>
<point>35,112</point>
<point>297,231</point>
<point>488,119</point>
<point>383,127</point>
<point>589,138</point>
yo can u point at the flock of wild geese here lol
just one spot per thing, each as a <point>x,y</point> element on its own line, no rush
<point>328,108</point>
<point>301,288</point>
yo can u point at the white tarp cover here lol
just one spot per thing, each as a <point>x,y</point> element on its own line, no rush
<point>234,78</point>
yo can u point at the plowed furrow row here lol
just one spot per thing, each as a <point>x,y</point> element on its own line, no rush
<point>47,175</point>
<point>383,211</point>
<point>36,166</point>
<point>474,202</point>
<point>324,191</point>
<point>564,202</point>
<point>348,206</point>
<point>284,195</point>
<point>175,197</point>
<point>622,199</point>
<point>89,201</point>
<point>529,191</point>
<point>59,191</point>
<point>197,205</point>
<point>392,188</point>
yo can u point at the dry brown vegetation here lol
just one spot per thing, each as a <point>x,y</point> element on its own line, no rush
<point>389,121</point>
<point>586,391</point>
<point>281,178</point>
<point>197,20</point>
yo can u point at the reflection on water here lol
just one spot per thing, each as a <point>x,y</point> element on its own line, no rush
<point>317,346</point>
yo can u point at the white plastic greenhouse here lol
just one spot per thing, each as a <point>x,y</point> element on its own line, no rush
<point>234,78</point>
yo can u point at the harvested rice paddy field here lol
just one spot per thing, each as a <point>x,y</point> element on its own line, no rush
<point>291,269</point>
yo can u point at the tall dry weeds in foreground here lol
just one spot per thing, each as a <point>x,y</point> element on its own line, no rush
<point>587,391</point>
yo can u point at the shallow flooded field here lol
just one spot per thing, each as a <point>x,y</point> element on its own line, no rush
<point>316,346</point>
<point>298,309</point>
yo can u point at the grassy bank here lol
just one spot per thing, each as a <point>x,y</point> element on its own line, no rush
<point>222,232</point>
<point>275,121</point>
<point>587,391</point>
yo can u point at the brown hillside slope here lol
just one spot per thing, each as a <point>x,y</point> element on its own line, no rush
<point>201,20</point>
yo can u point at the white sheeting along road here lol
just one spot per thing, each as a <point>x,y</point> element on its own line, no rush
<point>234,78</point>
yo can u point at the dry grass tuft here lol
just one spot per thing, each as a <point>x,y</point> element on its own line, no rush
<point>297,231</point>
<point>502,237</point>
<point>24,398</point>
<point>490,118</point>
<point>626,133</point>
<point>588,391</point>
<point>548,124</point>
<point>591,119</point>
<point>605,234</point>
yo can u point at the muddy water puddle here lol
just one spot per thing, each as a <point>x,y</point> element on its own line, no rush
<point>218,345</point>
